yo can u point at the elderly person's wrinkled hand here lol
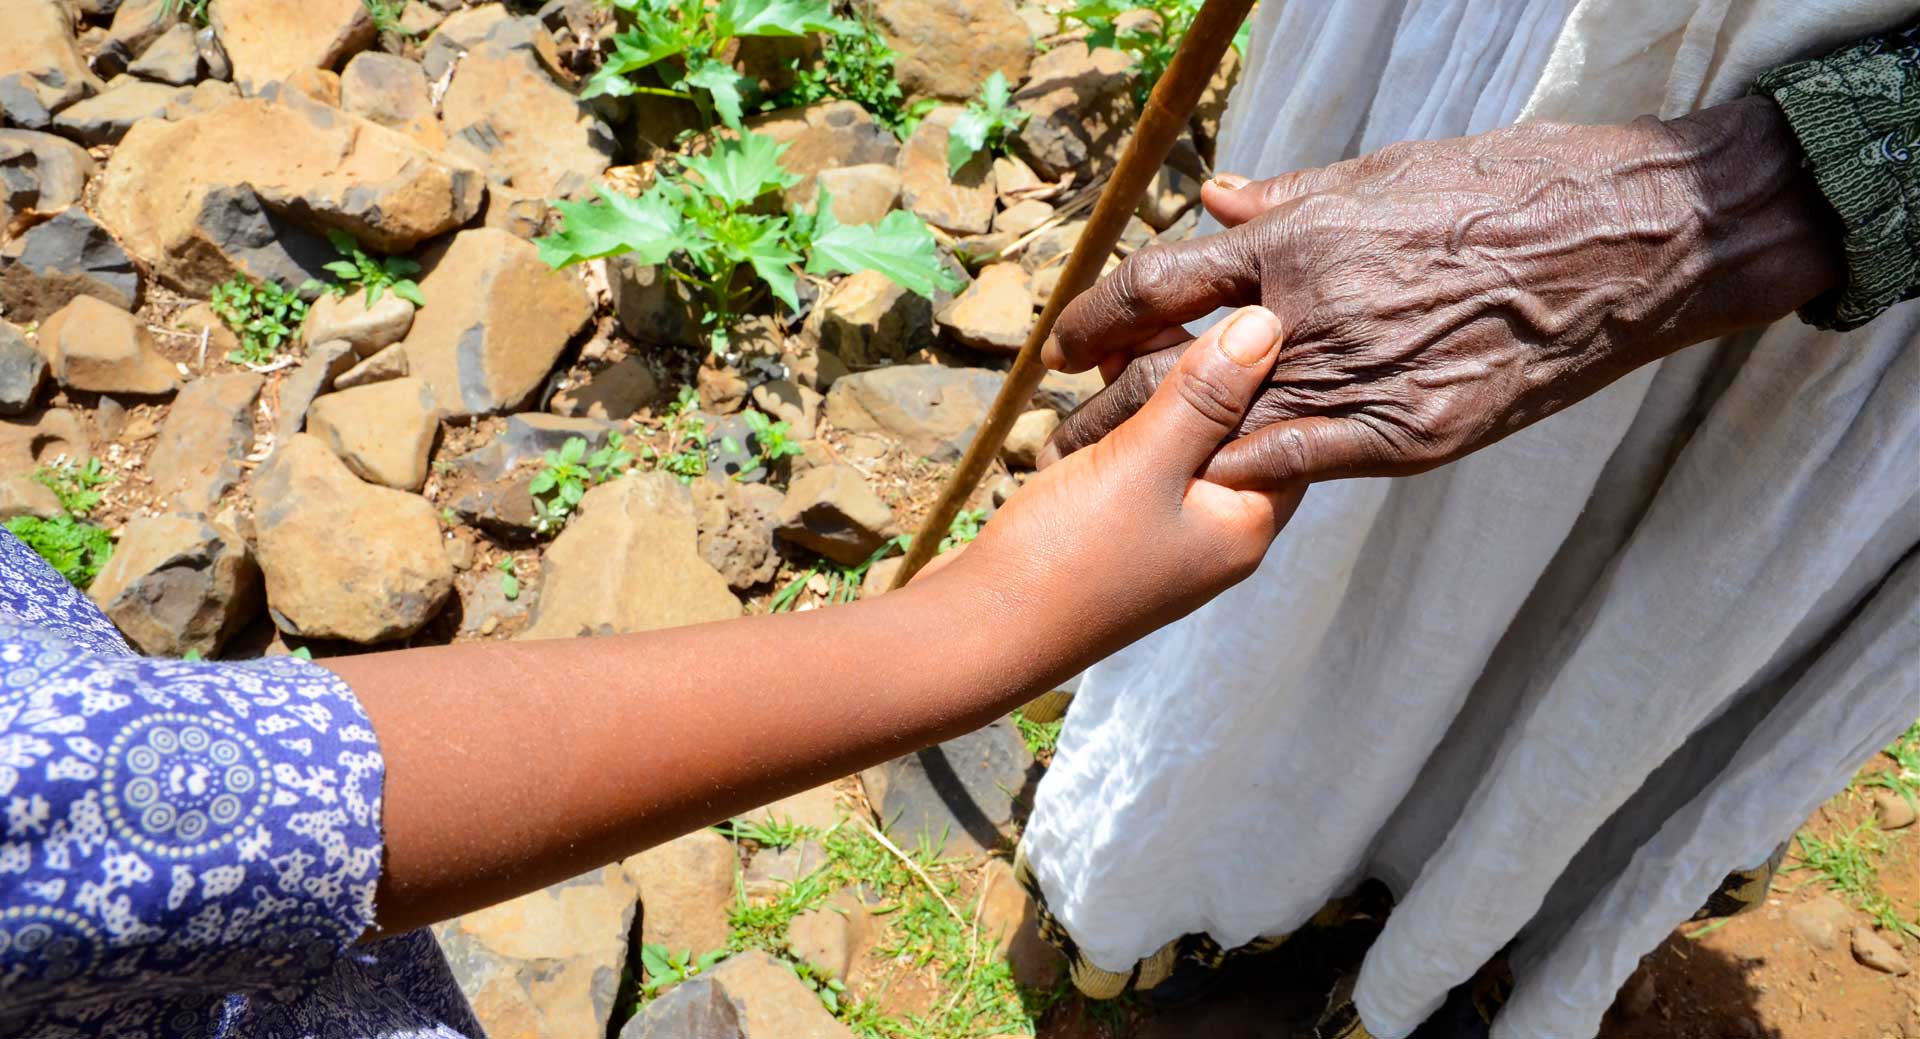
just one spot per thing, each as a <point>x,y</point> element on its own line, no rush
<point>1437,296</point>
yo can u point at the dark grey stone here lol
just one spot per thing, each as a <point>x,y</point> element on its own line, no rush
<point>961,796</point>
<point>67,256</point>
<point>22,372</point>
<point>695,1009</point>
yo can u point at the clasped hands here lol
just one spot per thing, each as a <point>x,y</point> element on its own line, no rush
<point>1437,296</point>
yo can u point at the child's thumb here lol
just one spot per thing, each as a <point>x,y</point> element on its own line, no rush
<point>1203,399</point>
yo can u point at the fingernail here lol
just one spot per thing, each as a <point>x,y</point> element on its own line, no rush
<point>1050,353</point>
<point>1249,334</point>
<point>1230,181</point>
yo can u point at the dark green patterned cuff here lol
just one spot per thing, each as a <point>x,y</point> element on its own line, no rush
<point>1856,113</point>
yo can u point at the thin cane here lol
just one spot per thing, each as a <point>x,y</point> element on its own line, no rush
<point>1168,109</point>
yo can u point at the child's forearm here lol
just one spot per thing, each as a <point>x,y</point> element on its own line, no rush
<point>511,765</point>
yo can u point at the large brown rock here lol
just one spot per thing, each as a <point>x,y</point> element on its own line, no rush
<point>686,888</point>
<point>178,583</point>
<point>932,410</point>
<point>869,320</point>
<point>831,510</point>
<point>95,346</point>
<point>41,70</point>
<point>196,457</point>
<point>947,48</point>
<point>1080,110</point>
<point>344,559</point>
<point>268,40</point>
<point>202,198</point>
<point>174,58</point>
<point>507,110</point>
<point>773,1000</point>
<point>629,561</point>
<point>392,91</point>
<point>824,136</point>
<point>383,430</point>
<point>348,317</point>
<point>995,313</point>
<point>613,393</point>
<point>495,322</point>
<point>862,194</point>
<point>960,202</point>
<point>105,117</point>
<point>545,965</point>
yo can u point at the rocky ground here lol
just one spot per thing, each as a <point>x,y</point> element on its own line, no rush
<point>507,450</point>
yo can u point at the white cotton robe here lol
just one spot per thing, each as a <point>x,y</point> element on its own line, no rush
<point>1550,694</point>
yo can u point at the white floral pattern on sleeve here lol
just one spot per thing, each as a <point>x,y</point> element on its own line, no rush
<point>189,848</point>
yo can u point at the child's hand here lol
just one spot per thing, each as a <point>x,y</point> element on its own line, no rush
<point>1121,538</point>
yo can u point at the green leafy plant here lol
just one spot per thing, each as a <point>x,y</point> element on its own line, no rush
<point>1150,40</point>
<point>1040,737</point>
<point>985,124</point>
<point>509,578</point>
<point>700,224</point>
<point>768,833</point>
<point>665,969</point>
<point>386,16</point>
<point>77,486</point>
<point>772,440</point>
<point>301,653</point>
<point>964,528</point>
<point>361,272</point>
<point>687,439</point>
<point>683,43</point>
<point>611,459</point>
<point>263,315</point>
<point>561,482</point>
<point>857,65</point>
<point>74,548</point>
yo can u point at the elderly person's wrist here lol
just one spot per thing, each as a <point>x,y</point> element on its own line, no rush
<point>1770,243</point>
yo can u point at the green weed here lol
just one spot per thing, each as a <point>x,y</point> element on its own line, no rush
<point>681,43</point>
<point>985,125</point>
<point>77,486</point>
<point>194,11</point>
<point>1151,42</point>
<point>857,65</point>
<point>74,548</point>
<point>687,439</point>
<point>262,314</point>
<point>1040,737</point>
<point>1904,777</point>
<point>772,440</point>
<point>1848,864</point>
<point>362,272</point>
<point>701,224</point>
<point>665,969</point>
<point>964,528</point>
<point>509,578</point>
<point>386,18</point>
<point>843,582</point>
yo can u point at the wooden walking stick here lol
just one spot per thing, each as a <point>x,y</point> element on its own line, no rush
<point>1166,115</point>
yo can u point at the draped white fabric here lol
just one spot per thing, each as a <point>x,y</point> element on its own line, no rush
<point>1552,693</point>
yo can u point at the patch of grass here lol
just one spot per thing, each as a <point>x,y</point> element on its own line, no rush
<point>1904,777</point>
<point>1848,864</point>
<point>843,582</point>
<point>386,17</point>
<point>964,528</point>
<point>767,833</point>
<point>263,315</point>
<point>194,11</point>
<point>929,928</point>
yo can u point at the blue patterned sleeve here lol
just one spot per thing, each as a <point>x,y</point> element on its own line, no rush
<point>171,829</point>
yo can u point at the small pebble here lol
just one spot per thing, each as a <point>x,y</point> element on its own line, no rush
<point>1873,951</point>
<point>1893,811</point>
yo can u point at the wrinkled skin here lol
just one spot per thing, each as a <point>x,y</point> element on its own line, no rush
<point>1437,296</point>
